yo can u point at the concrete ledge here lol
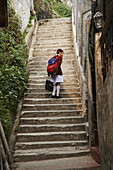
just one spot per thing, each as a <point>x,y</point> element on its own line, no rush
<point>12,138</point>
<point>95,154</point>
<point>30,31</point>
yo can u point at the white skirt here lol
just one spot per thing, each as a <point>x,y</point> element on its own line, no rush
<point>56,78</point>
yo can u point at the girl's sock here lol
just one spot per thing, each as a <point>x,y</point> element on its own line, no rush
<point>54,89</point>
<point>58,90</point>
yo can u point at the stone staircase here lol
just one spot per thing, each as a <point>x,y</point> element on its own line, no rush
<point>51,128</point>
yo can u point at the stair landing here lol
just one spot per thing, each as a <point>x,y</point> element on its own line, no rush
<point>75,163</point>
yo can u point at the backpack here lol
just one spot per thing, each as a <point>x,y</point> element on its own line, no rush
<point>52,65</point>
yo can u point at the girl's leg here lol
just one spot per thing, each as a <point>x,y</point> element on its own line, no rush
<point>58,90</point>
<point>54,90</point>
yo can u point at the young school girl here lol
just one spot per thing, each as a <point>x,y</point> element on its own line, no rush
<point>57,78</point>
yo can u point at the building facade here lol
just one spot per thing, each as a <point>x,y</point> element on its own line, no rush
<point>98,74</point>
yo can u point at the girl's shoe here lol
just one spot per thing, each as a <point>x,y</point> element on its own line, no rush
<point>58,97</point>
<point>53,96</point>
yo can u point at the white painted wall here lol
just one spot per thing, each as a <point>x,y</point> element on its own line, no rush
<point>22,8</point>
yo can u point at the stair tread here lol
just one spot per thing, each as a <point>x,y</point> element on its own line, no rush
<point>50,125</point>
<point>57,150</point>
<point>52,142</point>
<point>71,104</point>
<point>51,133</point>
<point>51,111</point>
<point>54,118</point>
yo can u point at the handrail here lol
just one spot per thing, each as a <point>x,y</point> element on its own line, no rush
<point>107,24</point>
<point>5,155</point>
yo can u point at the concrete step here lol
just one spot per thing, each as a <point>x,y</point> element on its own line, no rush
<point>54,27</point>
<point>50,128</point>
<point>44,66</point>
<point>30,90</point>
<point>50,144</point>
<point>54,33</point>
<point>46,58</point>
<point>49,153</point>
<point>43,61</point>
<point>52,120</point>
<point>74,163</point>
<point>51,101</point>
<point>48,95</point>
<point>38,59</point>
<point>65,76</point>
<point>68,50</point>
<point>63,85</point>
<point>29,107</point>
<point>56,42</point>
<point>37,81</point>
<point>51,136</point>
<point>37,53</point>
<point>40,79</point>
<point>55,38</point>
<point>44,69</point>
<point>44,73</point>
<point>55,23</point>
<point>50,113</point>
<point>64,31</point>
<point>51,36</point>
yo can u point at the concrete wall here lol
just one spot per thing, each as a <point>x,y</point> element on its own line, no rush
<point>104,110</point>
<point>105,121</point>
<point>82,79</point>
<point>22,8</point>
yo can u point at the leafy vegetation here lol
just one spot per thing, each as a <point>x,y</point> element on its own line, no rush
<point>13,77</point>
<point>44,9</point>
<point>62,9</point>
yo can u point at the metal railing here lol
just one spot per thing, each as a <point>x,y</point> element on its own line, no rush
<point>5,155</point>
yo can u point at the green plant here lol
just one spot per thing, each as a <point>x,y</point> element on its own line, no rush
<point>16,130</point>
<point>62,9</point>
<point>45,8</point>
<point>29,25</point>
<point>13,77</point>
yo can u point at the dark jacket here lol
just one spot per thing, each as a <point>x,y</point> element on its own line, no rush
<point>59,62</point>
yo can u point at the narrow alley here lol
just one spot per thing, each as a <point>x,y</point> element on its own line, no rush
<point>53,128</point>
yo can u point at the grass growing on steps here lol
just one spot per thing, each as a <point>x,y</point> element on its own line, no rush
<point>13,77</point>
<point>62,9</point>
<point>44,9</point>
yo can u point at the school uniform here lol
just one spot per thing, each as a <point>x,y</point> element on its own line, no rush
<point>58,78</point>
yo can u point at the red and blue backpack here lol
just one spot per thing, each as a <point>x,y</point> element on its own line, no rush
<point>52,66</point>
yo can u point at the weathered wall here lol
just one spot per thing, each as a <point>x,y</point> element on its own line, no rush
<point>104,4</point>
<point>105,121</point>
<point>104,110</point>
<point>22,8</point>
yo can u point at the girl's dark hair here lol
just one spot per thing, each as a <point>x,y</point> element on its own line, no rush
<point>59,50</point>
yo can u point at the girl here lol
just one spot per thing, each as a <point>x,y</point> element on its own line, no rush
<point>57,78</point>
